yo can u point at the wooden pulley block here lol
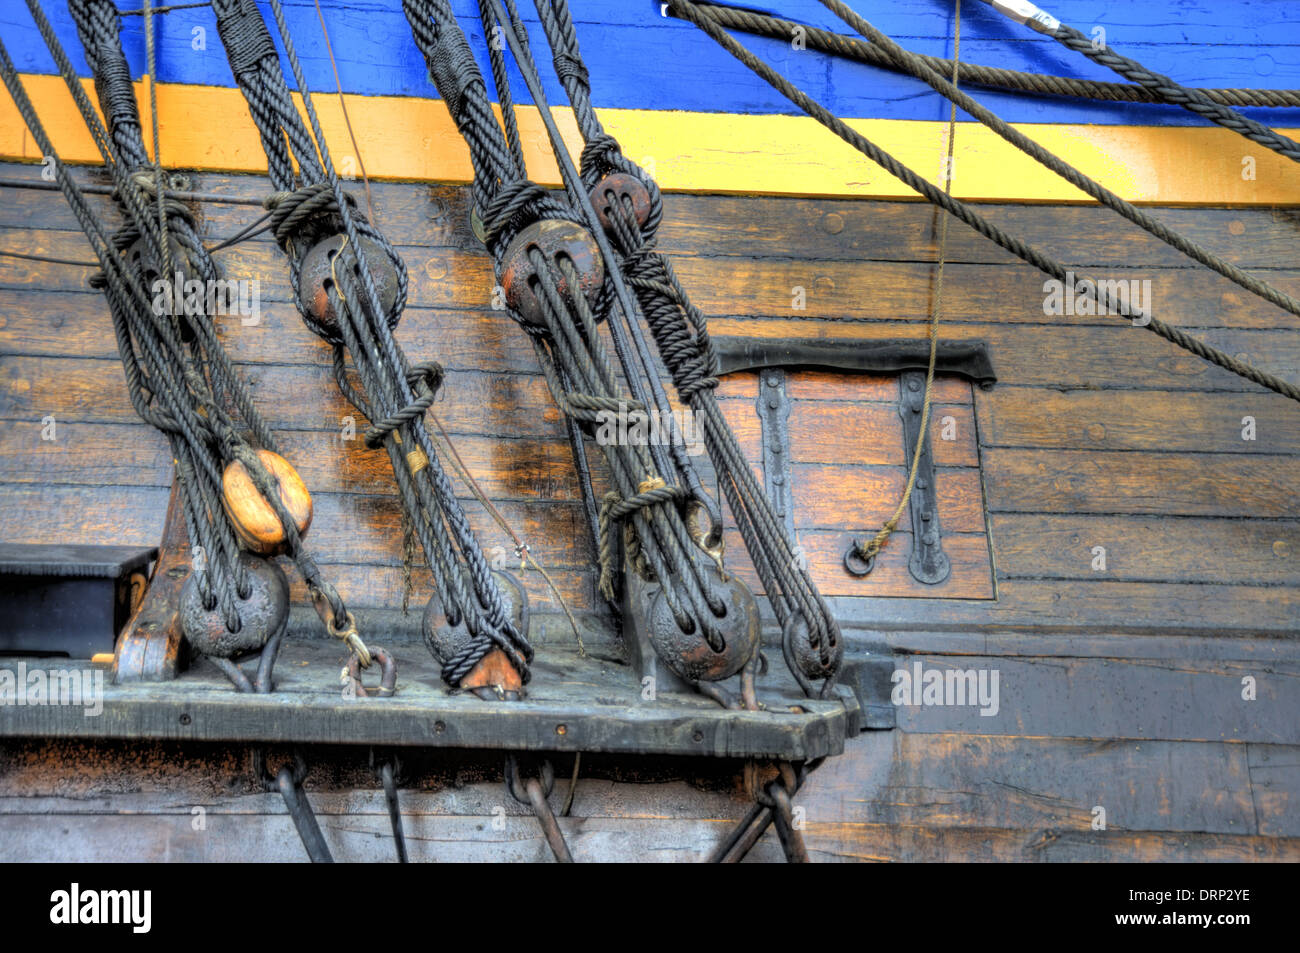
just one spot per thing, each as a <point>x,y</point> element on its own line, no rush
<point>796,642</point>
<point>689,654</point>
<point>624,190</point>
<point>494,675</point>
<point>263,610</point>
<point>251,514</point>
<point>316,277</point>
<point>555,239</point>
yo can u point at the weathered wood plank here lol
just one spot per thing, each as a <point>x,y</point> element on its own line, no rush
<point>574,704</point>
<point>137,455</point>
<point>367,839</point>
<point>895,796</point>
<point>73,324</point>
<point>773,288</point>
<point>757,227</point>
<point>1025,784</point>
<point>1275,785</point>
<point>1152,549</point>
<point>971,576</point>
<point>1099,642</point>
<point>95,390</point>
<point>349,528</point>
<point>1058,357</point>
<point>1139,420</point>
<point>1103,698</point>
<point>1188,484</point>
<point>857,499</point>
<point>1071,607</point>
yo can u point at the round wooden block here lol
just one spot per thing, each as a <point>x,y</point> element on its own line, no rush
<point>251,514</point>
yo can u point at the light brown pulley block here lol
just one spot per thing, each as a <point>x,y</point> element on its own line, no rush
<point>251,514</point>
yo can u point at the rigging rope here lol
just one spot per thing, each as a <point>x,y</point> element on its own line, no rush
<point>911,63</point>
<point>1107,303</point>
<point>1162,87</point>
<point>566,300</point>
<point>308,209</point>
<point>179,377</point>
<point>681,333</point>
<point>853,48</point>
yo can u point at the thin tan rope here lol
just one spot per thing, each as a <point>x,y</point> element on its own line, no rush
<point>873,547</point>
<point>521,547</point>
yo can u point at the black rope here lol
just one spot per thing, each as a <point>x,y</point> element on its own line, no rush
<point>309,206</point>
<point>681,333</point>
<point>647,500</point>
<point>700,17</point>
<point>178,375</point>
<point>993,77</point>
<point>1169,91</point>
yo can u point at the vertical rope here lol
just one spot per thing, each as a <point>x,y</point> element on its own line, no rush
<point>873,547</point>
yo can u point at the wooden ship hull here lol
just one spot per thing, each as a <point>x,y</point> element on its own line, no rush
<point>1117,516</point>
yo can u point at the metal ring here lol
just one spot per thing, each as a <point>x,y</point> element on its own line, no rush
<point>387,674</point>
<point>271,782</point>
<point>514,780</point>
<point>854,564</point>
<point>346,629</point>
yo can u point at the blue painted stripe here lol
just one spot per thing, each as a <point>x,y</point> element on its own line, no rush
<point>641,60</point>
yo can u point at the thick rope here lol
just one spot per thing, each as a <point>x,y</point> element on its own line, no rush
<point>853,48</point>
<point>1169,91</point>
<point>309,206</point>
<point>183,389</point>
<point>699,16</point>
<point>570,349</point>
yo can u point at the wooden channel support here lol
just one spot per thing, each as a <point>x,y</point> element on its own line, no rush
<point>150,647</point>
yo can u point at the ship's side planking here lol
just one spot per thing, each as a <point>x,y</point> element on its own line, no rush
<point>1121,680</point>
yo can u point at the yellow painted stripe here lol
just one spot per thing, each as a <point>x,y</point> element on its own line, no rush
<point>414,139</point>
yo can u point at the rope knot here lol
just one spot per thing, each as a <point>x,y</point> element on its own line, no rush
<point>516,206</point>
<point>613,508</point>
<point>310,213</point>
<point>425,379</point>
<point>570,67</point>
<point>598,153</point>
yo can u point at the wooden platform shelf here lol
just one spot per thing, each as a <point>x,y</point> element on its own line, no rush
<point>573,704</point>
